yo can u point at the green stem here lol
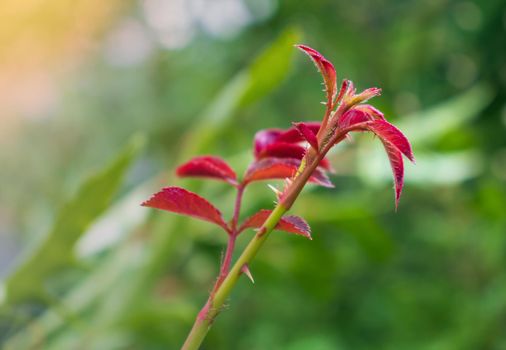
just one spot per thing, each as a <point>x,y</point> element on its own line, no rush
<point>246,257</point>
<point>215,303</point>
<point>224,287</point>
<point>213,307</point>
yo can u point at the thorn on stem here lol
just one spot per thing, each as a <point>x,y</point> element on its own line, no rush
<point>277,192</point>
<point>245,270</point>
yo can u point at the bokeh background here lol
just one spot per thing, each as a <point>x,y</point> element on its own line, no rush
<point>100,100</point>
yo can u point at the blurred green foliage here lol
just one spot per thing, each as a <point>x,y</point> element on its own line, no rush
<point>431,276</point>
<point>56,251</point>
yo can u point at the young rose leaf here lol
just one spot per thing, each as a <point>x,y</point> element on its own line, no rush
<point>390,134</point>
<point>366,95</point>
<point>359,114</point>
<point>263,138</point>
<point>371,111</point>
<point>352,117</point>
<point>271,168</point>
<point>320,178</point>
<point>208,166</point>
<point>267,137</point>
<point>181,201</point>
<point>282,150</point>
<point>290,223</point>
<point>344,89</point>
<point>279,143</point>
<point>325,164</point>
<point>397,164</point>
<point>326,69</point>
<point>287,150</point>
<point>308,134</point>
<point>347,92</point>
<point>293,135</point>
<point>396,144</point>
<point>280,168</point>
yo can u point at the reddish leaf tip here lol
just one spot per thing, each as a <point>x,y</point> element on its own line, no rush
<point>344,88</point>
<point>391,134</point>
<point>307,133</point>
<point>327,70</point>
<point>397,165</point>
<point>396,145</point>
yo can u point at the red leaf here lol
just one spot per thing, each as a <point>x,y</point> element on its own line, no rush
<point>359,114</point>
<point>320,178</point>
<point>396,144</point>
<point>347,92</point>
<point>344,89</point>
<point>325,164</point>
<point>326,69</point>
<point>208,166</point>
<point>371,111</point>
<point>353,116</point>
<point>280,168</point>
<point>308,134</point>
<point>390,134</point>
<point>282,150</point>
<point>292,135</point>
<point>290,223</point>
<point>267,137</point>
<point>263,138</point>
<point>181,201</point>
<point>397,164</point>
<point>271,168</point>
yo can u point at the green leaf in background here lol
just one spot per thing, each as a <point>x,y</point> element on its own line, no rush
<point>248,86</point>
<point>270,67</point>
<point>432,123</point>
<point>263,75</point>
<point>56,251</point>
